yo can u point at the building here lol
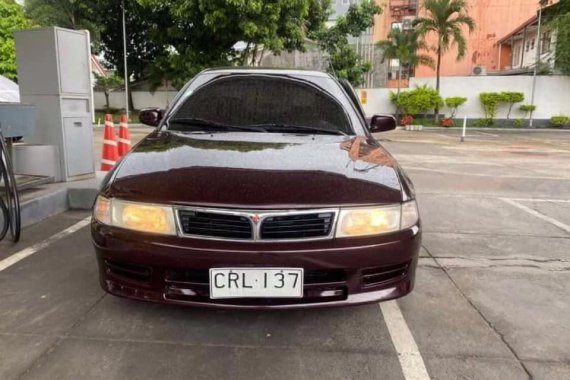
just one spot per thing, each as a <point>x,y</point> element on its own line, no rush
<point>494,19</point>
<point>519,50</point>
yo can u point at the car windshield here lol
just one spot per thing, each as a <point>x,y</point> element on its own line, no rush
<point>261,104</point>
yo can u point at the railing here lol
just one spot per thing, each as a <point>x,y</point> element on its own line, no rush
<point>411,5</point>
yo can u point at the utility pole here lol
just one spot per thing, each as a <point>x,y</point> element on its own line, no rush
<point>536,61</point>
<point>125,61</point>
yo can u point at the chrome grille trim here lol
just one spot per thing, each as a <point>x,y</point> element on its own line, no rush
<point>256,227</point>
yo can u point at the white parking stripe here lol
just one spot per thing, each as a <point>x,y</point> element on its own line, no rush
<point>465,173</point>
<point>540,200</point>
<point>411,361</point>
<point>487,134</point>
<point>546,218</point>
<point>20,255</point>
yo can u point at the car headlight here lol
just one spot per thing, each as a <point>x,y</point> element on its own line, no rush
<point>366,221</point>
<point>143,217</point>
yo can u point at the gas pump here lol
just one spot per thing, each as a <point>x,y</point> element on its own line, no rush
<point>9,200</point>
<point>16,120</point>
<point>55,118</point>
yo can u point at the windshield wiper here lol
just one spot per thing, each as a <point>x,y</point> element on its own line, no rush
<point>279,127</point>
<point>213,124</point>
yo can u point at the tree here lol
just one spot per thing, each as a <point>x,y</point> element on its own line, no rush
<point>404,47</point>
<point>71,14</point>
<point>343,60</point>
<point>561,23</point>
<point>144,43</point>
<point>446,19</point>
<point>563,44</point>
<point>204,33</point>
<point>12,18</point>
<point>511,98</point>
<point>268,25</point>
<point>106,84</point>
<point>453,103</point>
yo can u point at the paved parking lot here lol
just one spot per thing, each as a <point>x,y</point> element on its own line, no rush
<point>491,299</point>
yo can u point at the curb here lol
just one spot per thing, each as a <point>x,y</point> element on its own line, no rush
<point>55,199</point>
<point>525,130</point>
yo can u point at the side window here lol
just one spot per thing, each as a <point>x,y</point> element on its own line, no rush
<point>347,87</point>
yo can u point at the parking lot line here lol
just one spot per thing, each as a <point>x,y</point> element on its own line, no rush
<point>540,200</point>
<point>546,218</point>
<point>20,255</point>
<point>464,173</point>
<point>411,360</point>
<point>487,134</point>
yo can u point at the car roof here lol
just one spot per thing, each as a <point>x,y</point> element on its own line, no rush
<point>267,70</point>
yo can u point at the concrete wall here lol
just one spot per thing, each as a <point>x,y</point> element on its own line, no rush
<point>552,94</point>
<point>141,99</point>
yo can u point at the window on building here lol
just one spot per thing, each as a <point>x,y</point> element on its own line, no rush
<point>517,56</point>
<point>393,69</point>
<point>527,46</point>
<point>345,2</point>
<point>546,42</point>
<point>397,25</point>
<point>532,44</point>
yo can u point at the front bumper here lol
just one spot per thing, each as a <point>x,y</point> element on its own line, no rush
<point>175,270</point>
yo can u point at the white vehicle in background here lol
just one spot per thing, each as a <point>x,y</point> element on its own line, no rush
<point>9,91</point>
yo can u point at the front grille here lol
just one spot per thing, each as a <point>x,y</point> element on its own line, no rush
<point>215,225</point>
<point>297,226</point>
<point>257,226</point>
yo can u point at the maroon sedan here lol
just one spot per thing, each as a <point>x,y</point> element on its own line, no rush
<point>259,189</point>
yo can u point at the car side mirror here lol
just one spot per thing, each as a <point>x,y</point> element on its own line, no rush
<point>382,123</point>
<point>150,116</point>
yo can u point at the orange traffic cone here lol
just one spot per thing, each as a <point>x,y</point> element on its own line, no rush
<point>110,153</point>
<point>124,136</point>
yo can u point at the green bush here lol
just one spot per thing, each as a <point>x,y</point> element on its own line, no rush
<point>528,108</point>
<point>453,103</point>
<point>559,120</point>
<point>395,100</point>
<point>490,102</point>
<point>518,123</point>
<point>511,98</point>
<point>484,123</point>
<point>420,100</point>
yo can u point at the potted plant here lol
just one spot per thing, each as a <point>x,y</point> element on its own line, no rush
<point>418,101</point>
<point>406,121</point>
<point>447,122</point>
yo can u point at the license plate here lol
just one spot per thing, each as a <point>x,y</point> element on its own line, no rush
<point>256,282</point>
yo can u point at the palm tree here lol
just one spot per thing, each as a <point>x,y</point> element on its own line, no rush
<point>404,46</point>
<point>445,18</point>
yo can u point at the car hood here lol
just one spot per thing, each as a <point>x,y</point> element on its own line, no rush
<point>257,170</point>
